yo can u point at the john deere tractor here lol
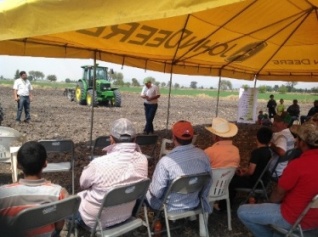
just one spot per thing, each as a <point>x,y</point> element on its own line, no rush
<point>104,93</point>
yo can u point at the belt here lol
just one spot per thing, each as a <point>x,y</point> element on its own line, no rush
<point>23,95</point>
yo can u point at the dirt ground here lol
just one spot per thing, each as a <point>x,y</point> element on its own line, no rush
<point>53,116</point>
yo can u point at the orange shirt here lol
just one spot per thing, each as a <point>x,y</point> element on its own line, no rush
<point>223,154</point>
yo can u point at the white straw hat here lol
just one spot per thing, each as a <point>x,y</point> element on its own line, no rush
<point>222,128</point>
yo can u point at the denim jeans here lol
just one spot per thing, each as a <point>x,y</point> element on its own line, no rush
<point>257,217</point>
<point>150,112</point>
<point>23,102</point>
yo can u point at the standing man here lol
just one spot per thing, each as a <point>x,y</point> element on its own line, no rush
<point>150,93</point>
<point>271,105</point>
<point>22,94</point>
<point>295,189</point>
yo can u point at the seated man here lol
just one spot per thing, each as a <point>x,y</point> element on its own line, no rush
<point>311,112</point>
<point>184,159</point>
<point>247,177</point>
<point>282,141</point>
<point>223,153</point>
<point>31,191</point>
<point>123,164</point>
<point>296,188</point>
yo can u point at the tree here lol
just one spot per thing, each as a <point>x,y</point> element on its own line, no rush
<point>67,80</point>
<point>176,86</point>
<point>276,87</point>
<point>17,74</point>
<point>262,89</point>
<point>290,85</point>
<point>37,75</point>
<point>30,78</point>
<point>157,83</point>
<point>163,84</point>
<point>225,85</point>
<point>127,84</point>
<point>51,78</point>
<point>118,78</point>
<point>135,82</point>
<point>245,86</point>
<point>193,84</point>
<point>282,89</point>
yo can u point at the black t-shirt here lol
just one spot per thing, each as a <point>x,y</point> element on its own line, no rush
<point>260,157</point>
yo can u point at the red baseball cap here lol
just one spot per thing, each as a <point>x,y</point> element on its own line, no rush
<point>183,130</point>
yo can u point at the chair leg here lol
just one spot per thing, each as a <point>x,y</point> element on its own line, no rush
<point>203,224</point>
<point>229,218</point>
<point>167,221</point>
<point>147,221</point>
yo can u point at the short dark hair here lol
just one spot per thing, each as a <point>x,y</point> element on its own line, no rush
<point>271,96</point>
<point>183,142</point>
<point>22,72</point>
<point>32,157</point>
<point>264,135</point>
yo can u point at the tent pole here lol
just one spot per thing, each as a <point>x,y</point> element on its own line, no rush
<point>92,109</point>
<point>169,96</point>
<point>255,80</point>
<point>218,97</point>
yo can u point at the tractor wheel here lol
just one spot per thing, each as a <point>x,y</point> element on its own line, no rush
<point>70,95</point>
<point>89,98</point>
<point>79,92</point>
<point>117,98</point>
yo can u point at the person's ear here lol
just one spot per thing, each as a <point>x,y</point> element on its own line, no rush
<point>45,164</point>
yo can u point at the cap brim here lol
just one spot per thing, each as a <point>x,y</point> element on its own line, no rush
<point>231,133</point>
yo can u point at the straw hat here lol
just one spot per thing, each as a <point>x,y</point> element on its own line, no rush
<point>222,128</point>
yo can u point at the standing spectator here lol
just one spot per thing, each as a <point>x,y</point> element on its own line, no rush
<point>150,93</point>
<point>294,191</point>
<point>30,191</point>
<point>293,111</point>
<point>184,159</point>
<point>282,141</point>
<point>281,107</point>
<point>22,95</point>
<point>223,153</point>
<point>311,112</point>
<point>271,105</point>
<point>123,164</point>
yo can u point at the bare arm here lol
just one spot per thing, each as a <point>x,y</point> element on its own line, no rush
<point>279,151</point>
<point>277,195</point>
<point>15,95</point>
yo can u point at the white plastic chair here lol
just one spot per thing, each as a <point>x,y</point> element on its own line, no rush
<point>296,228</point>
<point>221,178</point>
<point>7,137</point>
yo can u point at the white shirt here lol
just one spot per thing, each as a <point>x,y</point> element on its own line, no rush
<point>150,92</point>
<point>286,141</point>
<point>23,87</point>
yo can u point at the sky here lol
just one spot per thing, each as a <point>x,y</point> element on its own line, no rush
<point>71,68</point>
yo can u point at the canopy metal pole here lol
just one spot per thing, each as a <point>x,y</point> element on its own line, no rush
<point>169,96</point>
<point>92,109</point>
<point>255,80</point>
<point>218,97</point>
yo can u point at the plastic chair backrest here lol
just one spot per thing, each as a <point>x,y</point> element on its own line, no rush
<point>101,142</point>
<point>45,214</point>
<point>221,178</point>
<point>7,137</point>
<point>148,140</point>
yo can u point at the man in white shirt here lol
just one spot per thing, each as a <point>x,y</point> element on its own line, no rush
<point>282,141</point>
<point>22,94</point>
<point>150,93</point>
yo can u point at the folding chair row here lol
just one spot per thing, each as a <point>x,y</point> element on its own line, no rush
<point>142,140</point>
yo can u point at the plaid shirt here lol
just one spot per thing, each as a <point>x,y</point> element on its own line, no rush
<point>182,160</point>
<point>123,164</point>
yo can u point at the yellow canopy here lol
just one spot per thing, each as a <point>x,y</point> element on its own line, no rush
<point>269,40</point>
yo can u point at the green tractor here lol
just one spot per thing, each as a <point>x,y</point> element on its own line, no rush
<point>84,93</point>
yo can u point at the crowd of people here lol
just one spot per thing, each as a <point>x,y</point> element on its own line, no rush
<point>124,163</point>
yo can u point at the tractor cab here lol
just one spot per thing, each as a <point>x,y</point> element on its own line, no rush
<point>101,74</point>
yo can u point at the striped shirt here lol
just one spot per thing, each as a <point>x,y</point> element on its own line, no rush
<point>28,193</point>
<point>123,164</point>
<point>182,160</point>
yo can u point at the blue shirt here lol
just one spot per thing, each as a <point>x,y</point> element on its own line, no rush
<point>182,160</point>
